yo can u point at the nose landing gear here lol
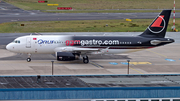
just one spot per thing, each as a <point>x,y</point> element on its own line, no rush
<point>29,58</point>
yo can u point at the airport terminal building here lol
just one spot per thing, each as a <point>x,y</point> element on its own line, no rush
<point>91,87</point>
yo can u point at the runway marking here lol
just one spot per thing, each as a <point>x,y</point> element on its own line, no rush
<point>157,53</point>
<point>139,63</point>
<point>169,59</point>
<point>131,15</point>
<point>13,20</point>
<point>96,65</point>
<point>136,70</point>
<point>113,63</point>
<point>136,63</point>
<point>124,63</point>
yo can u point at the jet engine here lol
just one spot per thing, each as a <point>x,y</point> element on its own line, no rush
<point>67,56</point>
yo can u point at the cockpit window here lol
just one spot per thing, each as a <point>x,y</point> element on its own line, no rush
<point>16,41</point>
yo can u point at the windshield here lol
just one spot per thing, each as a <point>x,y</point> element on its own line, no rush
<point>16,41</point>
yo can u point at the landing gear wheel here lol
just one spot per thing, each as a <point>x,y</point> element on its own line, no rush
<point>85,59</point>
<point>28,59</point>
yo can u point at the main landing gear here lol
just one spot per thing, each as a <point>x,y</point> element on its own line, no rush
<point>29,58</point>
<point>85,59</point>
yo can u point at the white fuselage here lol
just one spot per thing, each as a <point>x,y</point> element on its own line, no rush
<point>47,44</point>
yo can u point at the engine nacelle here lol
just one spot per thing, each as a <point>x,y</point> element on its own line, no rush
<point>67,56</point>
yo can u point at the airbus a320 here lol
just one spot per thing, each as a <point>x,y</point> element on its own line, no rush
<point>67,47</point>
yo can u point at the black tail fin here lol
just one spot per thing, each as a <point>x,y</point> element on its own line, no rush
<point>158,26</point>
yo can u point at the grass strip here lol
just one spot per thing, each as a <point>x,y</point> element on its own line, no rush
<point>121,25</point>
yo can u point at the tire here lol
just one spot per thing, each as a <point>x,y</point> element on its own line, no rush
<point>28,59</point>
<point>85,60</point>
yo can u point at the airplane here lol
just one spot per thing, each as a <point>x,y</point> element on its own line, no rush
<point>69,47</point>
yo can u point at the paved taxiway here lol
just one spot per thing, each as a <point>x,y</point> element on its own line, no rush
<point>9,13</point>
<point>163,60</point>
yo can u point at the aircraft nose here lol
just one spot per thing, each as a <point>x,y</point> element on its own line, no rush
<point>8,47</point>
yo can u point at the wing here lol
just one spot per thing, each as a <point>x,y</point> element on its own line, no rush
<point>77,49</point>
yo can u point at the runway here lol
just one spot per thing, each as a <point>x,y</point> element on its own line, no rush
<point>10,13</point>
<point>160,60</point>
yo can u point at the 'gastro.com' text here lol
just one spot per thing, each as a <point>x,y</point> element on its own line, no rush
<point>91,42</point>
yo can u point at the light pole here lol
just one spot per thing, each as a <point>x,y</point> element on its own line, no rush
<point>128,66</point>
<point>52,67</point>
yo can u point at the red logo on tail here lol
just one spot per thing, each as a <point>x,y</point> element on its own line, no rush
<point>158,21</point>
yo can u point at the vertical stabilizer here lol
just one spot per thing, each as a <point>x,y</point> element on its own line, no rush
<point>159,26</point>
